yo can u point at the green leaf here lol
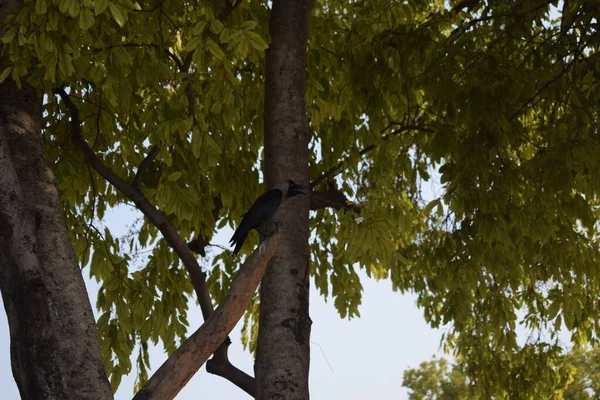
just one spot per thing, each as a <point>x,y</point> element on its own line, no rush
<point>9,35</point>
<point>193,43</point>
<point>40,6</point>
<point>248,25</point>
<point>174,176</point>
<point>198,28</point>
<point>216,26</point>
<point>215,50</point>
<point>103,320</point>
<point>256,41</point>
<point>65,66</point>
<point>74,8</point>
<point>212,145</point>
<point>65,5</point>
<point>86,19</point>
<point>117,14</point>
<point>5,74</point>
<point>427,209</point>
<point>100,6</point>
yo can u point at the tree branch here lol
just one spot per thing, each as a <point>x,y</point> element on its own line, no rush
<point>468,4</point>
<point>143,204</point>
<point>331,197</point>
<point>333,171</point>
<point>139,176</point>
<point>198,278</point>
<point>229,9</point>
<point>223,368</point>
<point>193,353</point>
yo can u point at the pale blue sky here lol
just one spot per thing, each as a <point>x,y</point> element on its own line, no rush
<point>368,355</point>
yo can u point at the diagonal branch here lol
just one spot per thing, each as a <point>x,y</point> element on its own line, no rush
<point>330,198</point>
<point>546,85</point>
<point>336,169</point>
<point>223,367</point>
<point>219,364</point>
<point>171,235</point>
<point>193,353</point>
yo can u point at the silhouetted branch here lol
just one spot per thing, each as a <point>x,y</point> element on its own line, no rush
<point>198,278</point>
<point>333,171</point>
<point>331,198</point>
<point>468,4</point>
<point>143,204</point>
<point>221,366</point>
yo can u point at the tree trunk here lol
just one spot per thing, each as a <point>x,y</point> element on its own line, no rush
<point>283,353</point>
<point>54,346</point>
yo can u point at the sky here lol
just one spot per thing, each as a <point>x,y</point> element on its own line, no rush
<point>350,359</point>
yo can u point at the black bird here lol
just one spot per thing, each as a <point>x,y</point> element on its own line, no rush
<point>263,209</point>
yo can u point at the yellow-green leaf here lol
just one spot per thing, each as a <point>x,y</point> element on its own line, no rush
<point>216,26</point>
<point>74,8</point>
<point>86,19</point>
<point>248,25</point>
<point>429,207</point>
<point>117,14</point>
<point>9,35</point>
<point>215,50</point>
<point>174,176</point>
<point>256,41</point>
<point>64,6</point>
<point>100,6</point>
<point>193,43</point>
<point>199,28</point>
<point>40,7</point>
<point>65,66</point>
<point>5,74</point>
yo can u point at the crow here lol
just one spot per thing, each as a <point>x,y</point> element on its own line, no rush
<point>263,209</point>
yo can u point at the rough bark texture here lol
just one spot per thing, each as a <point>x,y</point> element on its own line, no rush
<point>55,351</point>
<point>283,353</point>
<point>174,374</point>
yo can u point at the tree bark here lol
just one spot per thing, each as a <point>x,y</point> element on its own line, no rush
<point>55,351</point>
<point>283,352</point>
<point>174,374</point>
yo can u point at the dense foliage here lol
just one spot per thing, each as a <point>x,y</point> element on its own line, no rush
<point>496,99</point>
<point>439,380</point>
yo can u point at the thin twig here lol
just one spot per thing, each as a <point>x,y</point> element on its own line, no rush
<point>333,171</point>
<point>197,277</point>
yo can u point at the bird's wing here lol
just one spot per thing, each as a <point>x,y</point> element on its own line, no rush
<point>263,208</point>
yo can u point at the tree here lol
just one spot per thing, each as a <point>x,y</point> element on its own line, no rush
<point>42,288</point>
<point>283,352</point>
<point>497,99</point>
<point>437,379</point>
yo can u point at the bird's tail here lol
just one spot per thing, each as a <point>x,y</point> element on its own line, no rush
<point>238,239</point>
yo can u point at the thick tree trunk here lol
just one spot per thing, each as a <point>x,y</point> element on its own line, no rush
<point>55,351</point>
<point>283,353</point>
